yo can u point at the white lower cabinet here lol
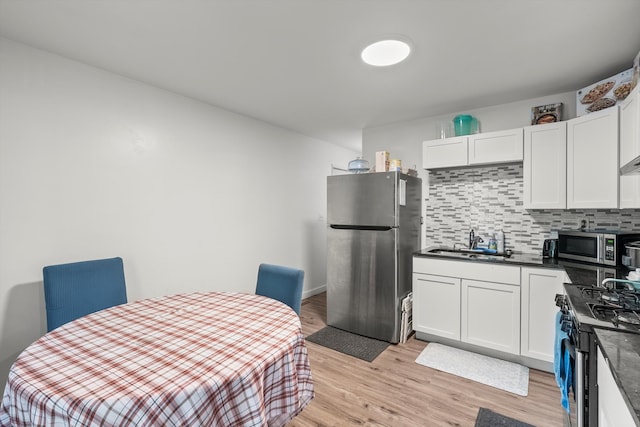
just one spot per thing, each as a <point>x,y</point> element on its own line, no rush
<point>438,299</point>
<point>491,315</point>
<point>476,303</point>
<point>539,287</point>
<point>612,409</point>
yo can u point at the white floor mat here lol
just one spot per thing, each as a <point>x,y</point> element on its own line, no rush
<point>487,370</point>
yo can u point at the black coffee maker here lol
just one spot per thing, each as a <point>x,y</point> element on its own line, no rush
<point>550,248</point>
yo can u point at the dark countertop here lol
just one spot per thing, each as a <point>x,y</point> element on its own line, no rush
<point>578,272</point>
<point>623,353</point>
<point>522,259</point>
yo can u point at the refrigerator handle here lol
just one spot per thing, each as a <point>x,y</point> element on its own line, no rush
<point>362,227</point>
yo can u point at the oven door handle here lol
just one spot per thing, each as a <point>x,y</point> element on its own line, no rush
<point>578,378</point>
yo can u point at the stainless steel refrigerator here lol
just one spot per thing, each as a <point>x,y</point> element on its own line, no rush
<point>373,229</point>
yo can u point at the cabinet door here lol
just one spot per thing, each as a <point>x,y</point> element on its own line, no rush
<point>443,153</point>
<point>630,148</point>
<point>496,147</point>
<point>539,287</point>
<point>491,315</point>
<point>612,409</point>
<point>436,305</point>
<point>545,166</point>
<point>592,160</point>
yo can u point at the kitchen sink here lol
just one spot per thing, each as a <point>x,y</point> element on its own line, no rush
<point>468,253</point>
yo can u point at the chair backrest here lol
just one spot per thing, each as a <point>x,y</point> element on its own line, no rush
<point>281,283</point>
<point>76,289</point>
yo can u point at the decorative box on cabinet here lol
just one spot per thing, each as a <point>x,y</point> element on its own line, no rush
<point>630,148</point>
<point>592,161</point>
<point>445,153</point>
<point>503,146</point>
<point>545,166</point>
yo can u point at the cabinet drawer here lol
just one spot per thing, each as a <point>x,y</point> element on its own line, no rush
<point>442,153</point>
<point>496,147</point>
<point>488,272</point>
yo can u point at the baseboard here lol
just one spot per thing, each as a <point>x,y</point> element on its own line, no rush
<point>314,291</point>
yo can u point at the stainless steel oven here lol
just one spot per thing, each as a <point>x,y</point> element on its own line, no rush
<point>611,304</point>
<point>582,346</point>
<point>598,247</point>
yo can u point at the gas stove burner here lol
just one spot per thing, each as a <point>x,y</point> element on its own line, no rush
<point>591,291</point>
<point>629,317</point>
<point>622,299</point>
<point>610,298</point>
<point>602,311</point>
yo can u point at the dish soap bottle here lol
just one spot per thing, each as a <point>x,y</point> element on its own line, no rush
<point>492,243</point>
<point>500,243</point>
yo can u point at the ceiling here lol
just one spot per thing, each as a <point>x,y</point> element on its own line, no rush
<point>295,63</point>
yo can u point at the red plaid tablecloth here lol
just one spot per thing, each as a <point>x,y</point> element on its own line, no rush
<point>201,359</point>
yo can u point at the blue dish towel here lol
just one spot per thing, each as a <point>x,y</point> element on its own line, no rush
<point>562,365</point>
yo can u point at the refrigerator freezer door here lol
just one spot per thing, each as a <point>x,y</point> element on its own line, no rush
<point>361,282</point>
<point>367,199</point>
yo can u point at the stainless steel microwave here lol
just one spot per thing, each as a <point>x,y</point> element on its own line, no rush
<point>606,247</point>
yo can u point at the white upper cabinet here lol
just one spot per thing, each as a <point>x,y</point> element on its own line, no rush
<point>630,148</point>
<point>545,166</point>
<point>445,153</point>
<point>503,146</point>
<point>592,161</point>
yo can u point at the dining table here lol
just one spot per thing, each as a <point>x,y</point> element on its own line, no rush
<point>190,359</point>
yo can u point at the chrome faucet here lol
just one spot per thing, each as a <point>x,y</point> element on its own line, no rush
<point>474,240</point>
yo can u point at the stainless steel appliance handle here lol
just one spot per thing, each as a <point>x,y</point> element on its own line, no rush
<point>580,387</point>
<point>601,251</point>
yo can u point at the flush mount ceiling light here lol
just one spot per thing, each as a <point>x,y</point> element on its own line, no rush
<point>386,52</point>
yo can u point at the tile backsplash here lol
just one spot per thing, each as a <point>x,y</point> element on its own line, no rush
<point>489,199</point>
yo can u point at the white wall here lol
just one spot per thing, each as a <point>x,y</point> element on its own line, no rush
<point>192,197</point>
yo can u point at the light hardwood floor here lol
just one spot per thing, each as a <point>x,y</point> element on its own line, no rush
<point>395,391</point>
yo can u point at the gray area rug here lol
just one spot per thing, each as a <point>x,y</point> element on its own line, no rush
<point>488,418</point>
<point>497,373</point>
<point>345,342</point>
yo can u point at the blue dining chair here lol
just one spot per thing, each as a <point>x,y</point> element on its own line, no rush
<point>281,283</point>
<point>80,288</point>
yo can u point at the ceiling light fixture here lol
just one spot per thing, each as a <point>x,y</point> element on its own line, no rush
<point>386,52</point>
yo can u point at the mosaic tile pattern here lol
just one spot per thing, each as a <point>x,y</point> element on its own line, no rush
<point>489,199</point>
